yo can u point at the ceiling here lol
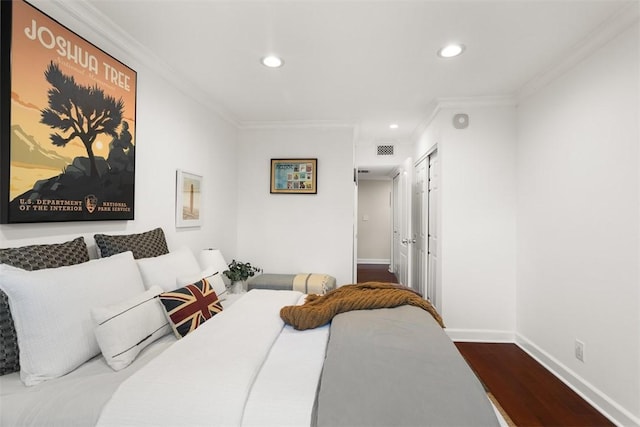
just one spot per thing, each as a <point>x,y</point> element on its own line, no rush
<point>369,63</point>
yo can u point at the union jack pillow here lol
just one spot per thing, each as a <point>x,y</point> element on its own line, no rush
<point>190,306</point>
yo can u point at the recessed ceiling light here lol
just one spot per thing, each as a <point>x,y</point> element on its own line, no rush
<point>272,61</point>
<point>393,126</point>
<point>451,50</point>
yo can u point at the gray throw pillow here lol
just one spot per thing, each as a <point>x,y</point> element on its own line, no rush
<point>33,257</point>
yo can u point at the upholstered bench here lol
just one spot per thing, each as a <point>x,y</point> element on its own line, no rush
<point>309,283</point>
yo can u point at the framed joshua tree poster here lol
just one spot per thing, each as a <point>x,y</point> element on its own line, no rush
<point>68,119</point>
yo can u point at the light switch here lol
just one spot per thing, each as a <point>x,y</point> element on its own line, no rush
<point>365,217</point>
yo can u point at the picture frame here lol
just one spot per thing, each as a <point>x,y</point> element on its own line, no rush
<point>67,124</point>
<point>188,199</point>
<point>294,176</point>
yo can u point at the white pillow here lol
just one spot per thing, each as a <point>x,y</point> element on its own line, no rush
<point>125,328</point>
<point>164,270</point>
<point>51,309</point>
<point>214,278</point>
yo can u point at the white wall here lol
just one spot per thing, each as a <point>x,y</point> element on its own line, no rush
<point>578,226</point>
<point>374,221</point>
<point>291,233</point>
<point>478,230</point>
<point>172,131</point>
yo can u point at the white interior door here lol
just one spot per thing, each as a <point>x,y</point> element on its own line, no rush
<point>433,242</point>
<point>420,225</point>
<point>354,259</point>
<point>403,247</point>
<point>395,239</point>
<point>404,217</point>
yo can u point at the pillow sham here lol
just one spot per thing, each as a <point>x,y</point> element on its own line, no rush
<point>143,245</point>
<point>125,328</point>
<point>51,311</point>
<point>168,271</point>
<point>214,278</point>
<point>31,258</point>
<point>190,306</point>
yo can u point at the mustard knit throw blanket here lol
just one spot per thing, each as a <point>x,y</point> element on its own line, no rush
<point>318,310</point>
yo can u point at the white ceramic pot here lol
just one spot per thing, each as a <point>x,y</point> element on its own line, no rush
<point>238,287</point>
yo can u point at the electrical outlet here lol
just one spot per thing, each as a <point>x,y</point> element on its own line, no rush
<point>579,350</point>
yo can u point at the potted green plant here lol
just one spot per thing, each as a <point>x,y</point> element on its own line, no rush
<point>238,273</point>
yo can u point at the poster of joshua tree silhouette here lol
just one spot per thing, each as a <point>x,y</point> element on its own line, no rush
<point>68,118</point>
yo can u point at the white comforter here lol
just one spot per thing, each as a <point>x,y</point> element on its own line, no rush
<point>243,367</point>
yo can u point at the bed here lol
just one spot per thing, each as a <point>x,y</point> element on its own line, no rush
<point>242,366</point>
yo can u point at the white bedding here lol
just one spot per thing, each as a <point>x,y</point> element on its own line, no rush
<point>242,367</point>
<point>206,378</point>
<point>216,367</point>
<point>72,400</point>
<point>285,391</point>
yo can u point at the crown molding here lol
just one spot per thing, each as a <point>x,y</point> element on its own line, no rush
<point>439,104</point>
<point>432,111</point>
<point>601,35</point>
<point>476,102</point>
<point>298,124</point>
<point>90,23</point>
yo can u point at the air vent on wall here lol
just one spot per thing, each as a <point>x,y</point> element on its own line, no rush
<point>385,150</point>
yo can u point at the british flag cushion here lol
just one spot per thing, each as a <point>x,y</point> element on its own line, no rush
<point>190,306</point>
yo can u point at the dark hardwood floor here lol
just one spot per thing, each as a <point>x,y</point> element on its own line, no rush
<point>528,393</point>
<point>375,273</point>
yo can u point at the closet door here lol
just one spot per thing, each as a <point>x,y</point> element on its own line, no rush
<point>420,224</point>
<point>433,226</point>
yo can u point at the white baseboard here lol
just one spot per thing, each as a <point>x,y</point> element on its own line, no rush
<point>584,389</point>
<point>480,335</point>
<point>373,261</point>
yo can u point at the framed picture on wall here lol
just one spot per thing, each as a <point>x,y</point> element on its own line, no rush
<point>68,121</point>
<point>294,176</point>
<point>188,199</point>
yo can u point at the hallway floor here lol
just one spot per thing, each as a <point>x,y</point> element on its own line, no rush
<point>375,273</point>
